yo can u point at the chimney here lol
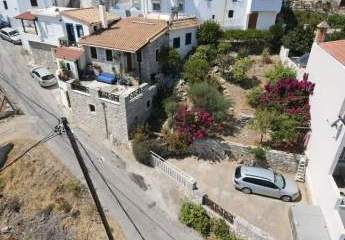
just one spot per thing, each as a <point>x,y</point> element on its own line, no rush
<point>103,16</point>
<point>321,32</point>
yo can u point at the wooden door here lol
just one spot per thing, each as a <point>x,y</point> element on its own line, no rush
<point>129,62</point>
<point>253,19</point>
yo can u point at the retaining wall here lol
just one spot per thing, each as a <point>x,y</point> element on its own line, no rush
<point>277,160</point>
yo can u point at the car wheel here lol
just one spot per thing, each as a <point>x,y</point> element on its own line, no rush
<point>246,190</point>
<point>286,198</point>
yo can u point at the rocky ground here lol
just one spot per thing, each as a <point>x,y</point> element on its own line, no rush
<point>41,200</point>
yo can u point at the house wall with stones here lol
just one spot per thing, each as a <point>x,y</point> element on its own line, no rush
<point>149,63</point>
<point>113,120</point>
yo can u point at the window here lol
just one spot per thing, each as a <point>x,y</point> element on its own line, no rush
<point>93,52</point>
<point>156,6</point>
<point>181,5</point>
<point>5,5</point>
<point>34,3</point>
<point>213,17</point>
<point>92,108</point>
<point>176,42</point>
<point>109,54</point>
<point>80,30</point>
<point>157,55</point>
<point>188,38</point>
<point>231,14</point>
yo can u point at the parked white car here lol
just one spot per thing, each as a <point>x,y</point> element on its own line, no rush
<point>44,77</point>
<point>11,35</point>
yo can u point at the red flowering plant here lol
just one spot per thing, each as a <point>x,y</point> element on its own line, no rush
<point>193,124</point>
<point>289,96</point>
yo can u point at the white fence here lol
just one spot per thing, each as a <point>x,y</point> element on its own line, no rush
<point>178,175</point>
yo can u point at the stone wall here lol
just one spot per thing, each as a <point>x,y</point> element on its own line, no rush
<point>42,54</point>
<point>111,120</point>
<point>277,160</point>
<point>149,65</point>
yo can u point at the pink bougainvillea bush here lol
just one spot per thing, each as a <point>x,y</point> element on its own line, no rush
<point>193,124</point>
<point>289,96</point>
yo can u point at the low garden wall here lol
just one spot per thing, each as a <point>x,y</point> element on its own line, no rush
<point>277,160</point>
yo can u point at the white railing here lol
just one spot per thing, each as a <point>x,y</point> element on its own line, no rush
<point>178,175</point>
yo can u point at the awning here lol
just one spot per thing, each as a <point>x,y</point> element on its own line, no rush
<point>26,16</point>
<point>68,53</point>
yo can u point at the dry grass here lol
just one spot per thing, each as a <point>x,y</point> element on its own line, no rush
<point>41,183</point>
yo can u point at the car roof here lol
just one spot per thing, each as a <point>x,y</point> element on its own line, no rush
<point>257,173</point>
<point>42,71</point>
<point>7,29</point>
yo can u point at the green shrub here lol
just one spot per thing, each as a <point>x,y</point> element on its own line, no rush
<point>266,56</point>
<point>254,95</point>
<point>221,230</point>
<point>299,40</point>
<point>309,17</point>
<point>243,52</point>
<point>207,52</point>
<point>338,35</point>
<point>196,70</point>
<point>263,121</point>
<point>336,20</point>
<point>284,129</point>
<point>240,69</point>
<point>195,216</point>
<point>224,47</point>
<point>141,147</point>
<point>170,106</point>
<point>277,31</point>
<point>260,156</point>
<point>175,142</point>
<point>209,33</point>
<point>169,61</point>
<point>248,35</point>
<point>210,99</point>
<point>279,72</point>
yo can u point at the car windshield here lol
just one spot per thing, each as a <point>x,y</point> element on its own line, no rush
<point>13,33</point>
<point>48,77</point>
<point>279,180</point>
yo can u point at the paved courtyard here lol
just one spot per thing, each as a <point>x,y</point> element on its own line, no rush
<point>270,215</point>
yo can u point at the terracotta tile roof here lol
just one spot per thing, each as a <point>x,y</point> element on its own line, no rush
<point>88,15</point>
<point>129,34</point>
<point>68,53</point>
<point>184,23</point>
<point>336,49</point>
<point>26,16</point>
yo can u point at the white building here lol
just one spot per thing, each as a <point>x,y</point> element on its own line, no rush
<point>258,14</point>
<point>9,9</point>
<point>326,147</point>
<point>41,30</point>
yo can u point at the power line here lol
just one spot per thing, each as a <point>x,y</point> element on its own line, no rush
<point>51,135</point>
<point>111,191</point>
<point>110,185</point>
<point>87,177</point>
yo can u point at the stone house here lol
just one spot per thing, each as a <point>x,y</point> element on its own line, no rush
<point>128,47</point>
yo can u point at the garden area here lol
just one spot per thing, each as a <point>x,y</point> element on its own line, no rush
<point>229,92</point>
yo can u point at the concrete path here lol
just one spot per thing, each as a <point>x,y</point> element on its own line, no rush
<point>41,105</point>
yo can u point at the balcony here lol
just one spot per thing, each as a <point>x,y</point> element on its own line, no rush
<point>64,42</point>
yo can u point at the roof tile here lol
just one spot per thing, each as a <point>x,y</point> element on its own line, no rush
<point>88,15</point>
<point>336,49</point>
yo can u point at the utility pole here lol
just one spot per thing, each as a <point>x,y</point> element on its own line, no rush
<point>87,177</point>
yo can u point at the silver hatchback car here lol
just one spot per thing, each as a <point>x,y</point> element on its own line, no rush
<point>265,182</point>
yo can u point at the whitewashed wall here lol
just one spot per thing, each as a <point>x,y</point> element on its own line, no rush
<point>87,29</point>
<point>265,20</point>
<point>324,148</point>
<point>184,49</point>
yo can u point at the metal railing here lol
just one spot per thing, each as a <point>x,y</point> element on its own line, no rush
<point>218,209</point>
<point>178,175</point>
<point>109,96</point>
<point>80,88</point>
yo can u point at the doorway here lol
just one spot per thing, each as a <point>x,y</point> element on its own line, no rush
<point>70,32</point>
<point>253,19</point>
<point>129,62</point>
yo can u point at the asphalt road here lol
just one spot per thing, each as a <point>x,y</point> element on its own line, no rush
<point>144,220</point>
